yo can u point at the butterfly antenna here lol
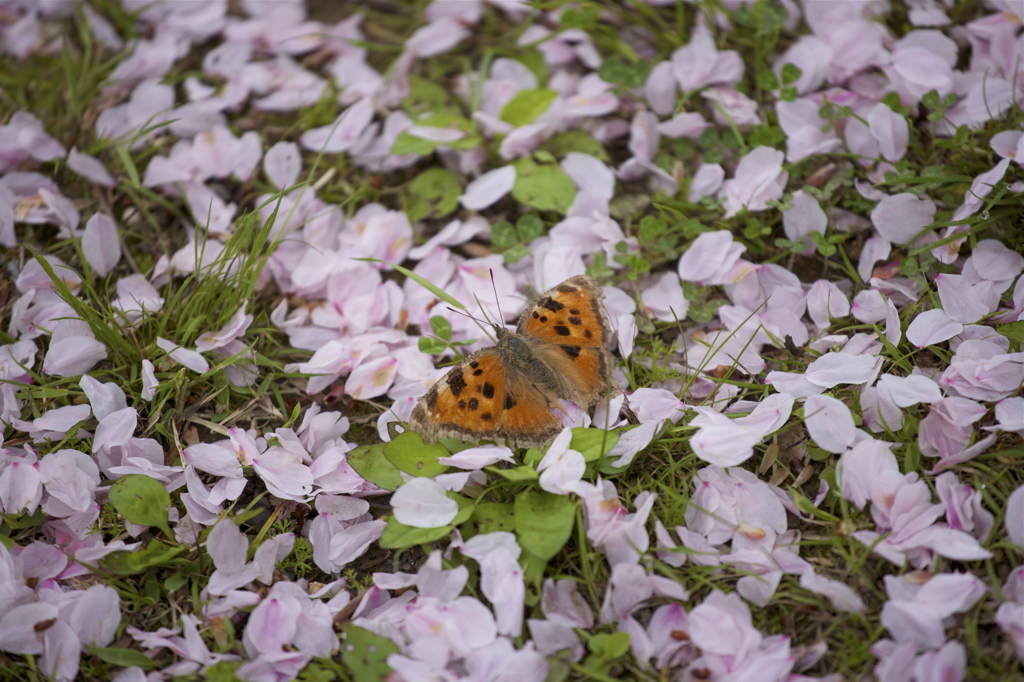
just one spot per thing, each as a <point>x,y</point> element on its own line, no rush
<point>482,323</point>
<point>497,300</point>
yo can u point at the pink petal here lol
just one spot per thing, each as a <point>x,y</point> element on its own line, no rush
<point>706,181</point>
<point>478,457</point>
<point>62,418</point>
<point>282,164</point>
<point>21,488</point>
<point>423,503</point>
<point>344,132</point>
<point>73,355</point>
<point>437,37</point>
<point>891,131</point>
<point>825,302</point>
<point>115,429</point>
<point>90,168</point>
<point>833,369</point>
<point>488,188</point>
<point>901,217</point>
<point>910,390</point>
<point>284,475</point>
<point>805,217</point>
<point>189,358</point>
<point>100,244</point>
<point>227,546</point>
<point>959,300</point>
<point>876,248</point>
<point>660,89</point>
<point>149,380</point>
<point>841,595</point>
<point>1015,516</point>
<point>232,329</point>
<point>710,258</point>
<point>931,327</point>
<point>372,378</point>
<point>829,423</point>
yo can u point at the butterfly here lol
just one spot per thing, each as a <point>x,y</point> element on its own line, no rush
<point>560,350</point>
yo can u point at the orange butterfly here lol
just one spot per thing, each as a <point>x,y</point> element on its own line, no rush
<point>560,350</point>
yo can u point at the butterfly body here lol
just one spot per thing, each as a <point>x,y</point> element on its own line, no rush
<point>558,351</point>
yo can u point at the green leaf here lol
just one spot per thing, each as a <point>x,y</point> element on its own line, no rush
<point>433,194</point>
<point>23,521</point>
<point>526,105</point>
<point>592,443</point>
<point>545,187</point>
<point>767,80</point>
<point>494,516</point>
<point>1013,331</point>
<point>529,228</point>
<point>123,657</point>
<point>426,94</point>
<point>175,581</point>
<point>543,522</point>
<point>224,671</point>
<point>579,17</point>
<point>575,141</point>
<point>615,70</point>
<point>370,462</point>
<point>431,346</point>
<point>410,144</point>
<point>142,500</point>
<point>791,74</point>
<point>155,554</point>
<point>615,645</point>
<point>503,234</point>
<point>517,474</point>
<point>397,535</point>
<point>366,654</point>
<point>516,253</point>
<point>651,228</point>
<point>441,327</point>
<point>411,455</point>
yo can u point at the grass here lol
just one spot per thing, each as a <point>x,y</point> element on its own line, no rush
<point>66,91</point>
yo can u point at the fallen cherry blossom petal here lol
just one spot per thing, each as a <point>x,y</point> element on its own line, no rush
<point>422,503</point>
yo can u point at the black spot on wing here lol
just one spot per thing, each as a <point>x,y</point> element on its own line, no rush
<point>550,304</point>
<point>562,330</point>
<point>488,391</point>
<point>573,311</point>
<point>586,333</point>
<point>462,404</point>
<point>572,351</point>
<point>477,372</point>
<point>486,416</point>
<point>575,321</point>
<point>510,402</point>
<point>456,383</point>
<point>476,364</point>
<point>473,404</point>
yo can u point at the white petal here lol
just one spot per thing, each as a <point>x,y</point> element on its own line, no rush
<point>422,503</point>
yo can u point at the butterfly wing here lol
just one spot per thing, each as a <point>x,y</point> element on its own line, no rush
<point>483,399</point>
<point>466,403</point>
<point>527,420</point>
<point>568,331</point>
